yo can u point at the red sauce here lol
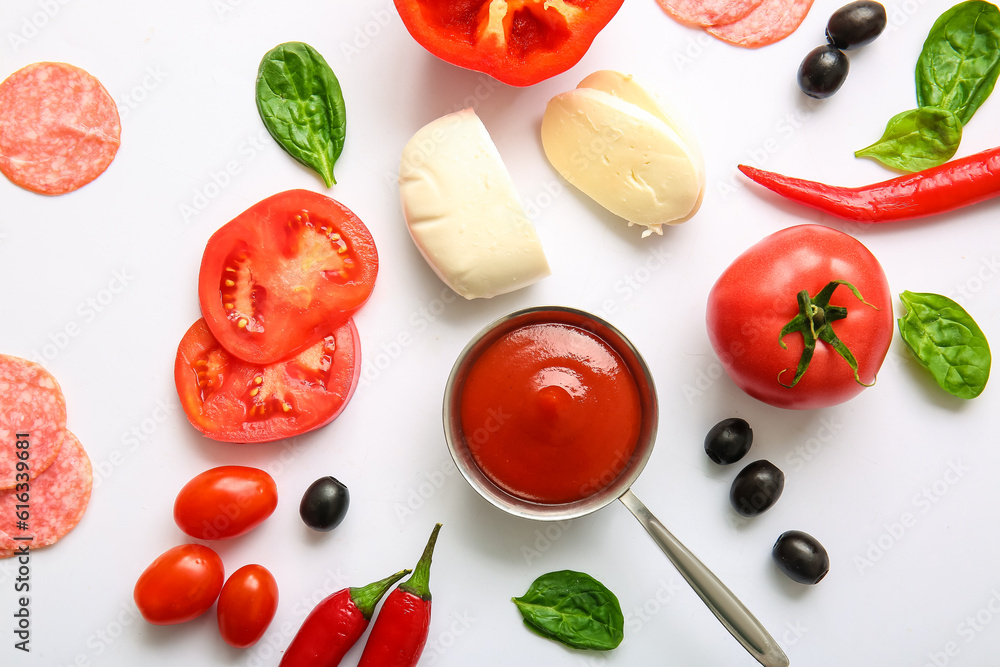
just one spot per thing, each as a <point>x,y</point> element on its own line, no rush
<point>550,413</point>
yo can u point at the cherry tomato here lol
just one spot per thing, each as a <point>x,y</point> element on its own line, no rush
<point>281,275</point>
<point>518,43</point>
<point>234,401</point>
<point>247,605</point>
<point>225,502</point>
<point>765,289</point>
<point>181,584</point>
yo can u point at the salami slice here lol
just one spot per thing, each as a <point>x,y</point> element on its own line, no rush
<point>31,404</point>
<point>59,129</point>
<point>56,501</point>
<point>770,22</point>
<point>708,12</point>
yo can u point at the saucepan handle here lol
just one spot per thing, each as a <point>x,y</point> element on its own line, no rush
<point>726,607</point>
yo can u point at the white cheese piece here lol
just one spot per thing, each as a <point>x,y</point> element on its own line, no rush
<point>618,144</point>
<point>463,212</point>
<point>626,88</point>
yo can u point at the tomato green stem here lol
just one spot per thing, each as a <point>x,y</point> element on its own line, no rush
<point>815,322</point>
<point>419,582</point>
<point>365,598</point>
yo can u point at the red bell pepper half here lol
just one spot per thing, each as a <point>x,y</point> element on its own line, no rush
<point>519,42</point>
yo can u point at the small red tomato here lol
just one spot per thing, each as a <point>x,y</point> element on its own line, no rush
<point>181,584</point>
<point>225,502</point>
<point>247,605</point>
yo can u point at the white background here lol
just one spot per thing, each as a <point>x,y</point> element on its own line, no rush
<point>900,484</point>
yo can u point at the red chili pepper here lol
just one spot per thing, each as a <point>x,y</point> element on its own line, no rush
<point>335,625</point>
<point>400,631</point>
<point>949,186</point>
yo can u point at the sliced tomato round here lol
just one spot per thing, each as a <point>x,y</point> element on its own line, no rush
<point>280,276</point>
<point>519,43</point>
<point>231,400</point>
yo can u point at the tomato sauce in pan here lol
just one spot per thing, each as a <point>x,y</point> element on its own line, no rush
<point>550,413</point>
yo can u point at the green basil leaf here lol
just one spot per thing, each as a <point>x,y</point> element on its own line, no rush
<point>917,139</point>
<point>958,66</point>
<point>575,609</point>
<point>300,101</point>
<point>947,342</point>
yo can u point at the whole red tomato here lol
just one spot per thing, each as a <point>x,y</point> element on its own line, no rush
<point>224,502</point>
<point>759,328</point>
<point>181,584</point>
<point>247,605</point>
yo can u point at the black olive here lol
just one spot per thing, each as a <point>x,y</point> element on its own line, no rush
<point>823,71</point>
<point>800,556</point>
<point>324,504</point>
<point>756,488</point>
<point>856,24</point>
<point>729,441</point>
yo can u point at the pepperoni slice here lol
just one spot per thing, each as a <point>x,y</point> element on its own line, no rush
<point>708,12</point>
<point>59,129</point>
<point>31,403</point>
<point>770,22</point>
<point>56,501</point>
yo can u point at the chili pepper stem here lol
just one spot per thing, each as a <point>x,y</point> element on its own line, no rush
<point>419,582</point>
<point>366,598</point>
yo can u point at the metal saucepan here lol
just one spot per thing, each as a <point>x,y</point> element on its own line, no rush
<point>726,607</point>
